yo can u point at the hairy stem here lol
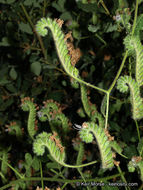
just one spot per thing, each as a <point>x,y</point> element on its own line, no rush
<point>15,171</point>
<point>33,27</point>
<point>135,17</point>
<point>104,179</point>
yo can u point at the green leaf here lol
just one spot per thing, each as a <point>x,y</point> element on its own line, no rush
<point>116,107</point>
<point>6,104</point>
<point>59,6</point>
<point>13,73</point>
<point>139,24</point>
<point>88,7</point>
<point>66,16</point>
<point>114,126</point>
<point>52,165</point>
<point>36,91</point>
<point>7,1</point>
<point>11,88</point>
<point>109,27</point>
<point>64,83</point>
<point>10,1</point>
<point>93,28</point>
<point>28,159</point>
<point>4,42</point>
<point>103,105</point>
<point>28,170</point>
<point>116,147</point>
<point>84,1</point>
<point>35,164</point>
<point>140,147</point>
<point>25,28</point>
<point>4,82</point>
<point>36,68</point>
<point>130,151</point>
<point>76,34</point>
<point>28,3</point>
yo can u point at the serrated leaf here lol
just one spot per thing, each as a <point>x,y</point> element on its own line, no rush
<point>109,27</point>
<point>116,107</point>
<point>28,159</point>
<point>13,73</point>
<point>35,164</point>
<point>59,6</point>
<point>66,16</point>
<point>25,28</point>
<point>36,68</point>
<point>28,171</point>
<point>116,147</point>
<point>93,28</point>
<point>52,165</point>
<point>115,126</point>
<point>139,24</point>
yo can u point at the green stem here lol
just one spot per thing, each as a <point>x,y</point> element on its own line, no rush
<point>104,6</point>
<point>83,178</point>
<point>84,37</point>
<point>107,110</point>
<point>64,186</point>
<point>130,67</point>
<point>33,27</point>
<point>42,182</point>
<point>101,39</point>
<point>122,176</point>
<point>58,174</point>
<point>126,53</point>
<point>119,72</point>
<point>112,86</point>
<point>44,7</point>
<point>27,16</point>
<point>88,84</point>
<point>123,155</point>
<point>79,166</point>
<point>135,18</point>
<point>60,180</point>
<point>3,177</point>
<point>137,126</point>
<point>15,171</point>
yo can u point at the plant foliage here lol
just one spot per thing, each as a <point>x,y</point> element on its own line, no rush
<point>65,118</point>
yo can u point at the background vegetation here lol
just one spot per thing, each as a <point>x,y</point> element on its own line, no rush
<point>30,67</point>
